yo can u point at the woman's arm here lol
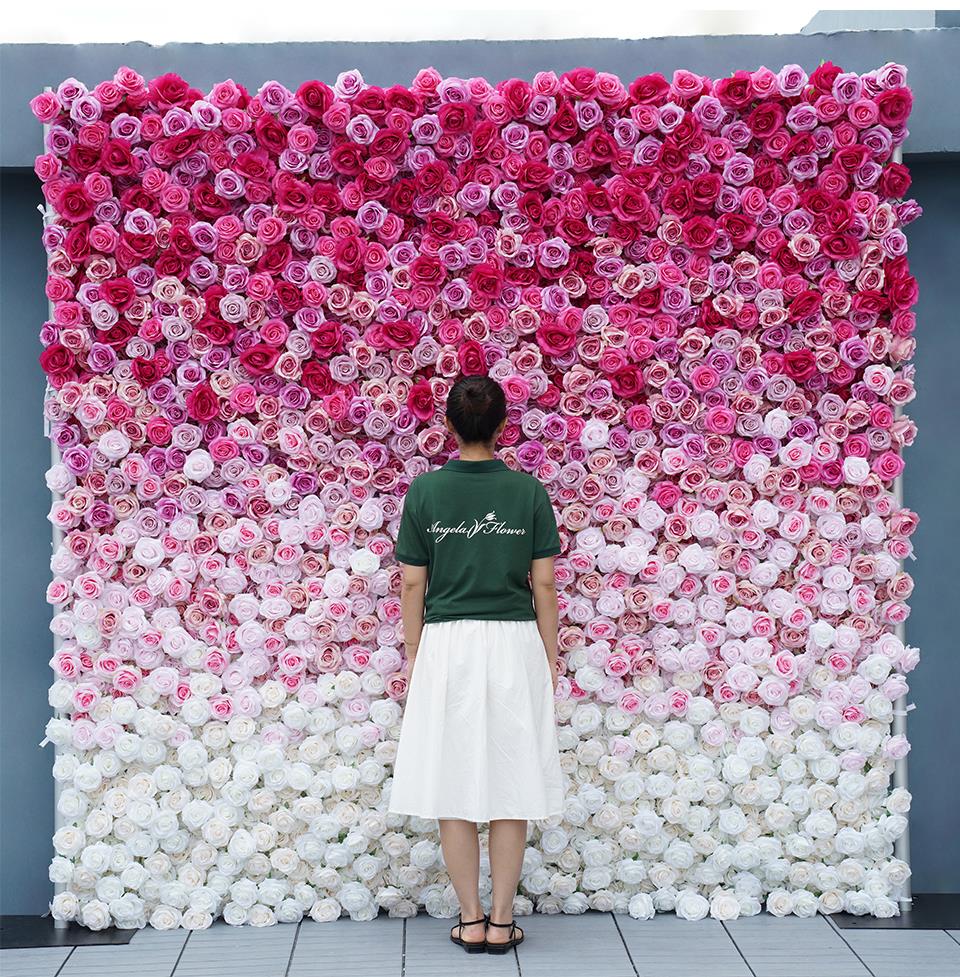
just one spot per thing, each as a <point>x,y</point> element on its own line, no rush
<point>412,592</point>
<point>544,588</point>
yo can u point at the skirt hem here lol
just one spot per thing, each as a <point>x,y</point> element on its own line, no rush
<point>470,816</point>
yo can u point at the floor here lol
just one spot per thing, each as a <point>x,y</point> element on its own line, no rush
<point>592,945</point>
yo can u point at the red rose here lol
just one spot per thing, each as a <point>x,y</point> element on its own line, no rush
<point>327,338</point>
<point>517,94</point>
<point>149,371</point>
<point>626,201</point>
<point>169,90</point>
<point>293,196</point>
<point>700,232</point>
<point>840,246</point>
<point>393,335</point>
<point>317,379</point>
<point>895,181</point>
<point>555,339</point>
<point>456,117</point>
<point>649,89</point>
<point>563,126</point>
<point>425,269</point>
<point>57,361</point>
<point>207,202</point>
<point>824,76</point>
<point>271,134</point>
<point>741,229</point>
<point>315,97</point>
<point>894,106</point>
<point>202,403</point>
<point>486,280</point>
<point>259,359</point>
<point>346,158</point>
<point>735,91</point>
<point>799,364</point>
<point>805,304</point>
<point>420,401</point>
<point>851,158</point>
<point>766,118</point>
<point>533,173</point>
<point>74,205</point>
<point>471,359</point>
<point>288,295</point>
<point>579,82</point>
<point>627,381</point>
<point>117,159</point>
<point>704,190</point>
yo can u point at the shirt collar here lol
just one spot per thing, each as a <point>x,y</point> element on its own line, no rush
<point>487,465</point>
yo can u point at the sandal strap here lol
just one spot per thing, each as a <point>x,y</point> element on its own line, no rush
<point>490,922</point>
<point>473,922</point>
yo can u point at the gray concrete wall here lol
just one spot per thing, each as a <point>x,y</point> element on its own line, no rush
<point>930,55</point>
<point>26,785</point>
<point>933,464</point>
<point>930,488</point>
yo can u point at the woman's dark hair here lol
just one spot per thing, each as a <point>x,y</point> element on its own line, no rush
<point>476,405</point>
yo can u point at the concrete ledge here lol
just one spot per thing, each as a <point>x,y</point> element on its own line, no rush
<point>930,56</point>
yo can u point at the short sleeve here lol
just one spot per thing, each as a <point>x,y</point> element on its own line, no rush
<point>411,545</point>
<point>546,539</point>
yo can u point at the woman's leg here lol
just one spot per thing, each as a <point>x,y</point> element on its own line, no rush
<point>461,854</point>
<point>508,839</point>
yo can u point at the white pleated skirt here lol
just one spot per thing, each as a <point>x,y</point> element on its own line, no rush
<point>478,739</point>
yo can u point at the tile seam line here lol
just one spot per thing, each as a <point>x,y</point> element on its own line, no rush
<point>952,937</point>
<point>176,962</point>
<point>623,940</point>
<point>59,969</point>
<point>736,947</point>
<point>836,929</point>
<point>293,948</point>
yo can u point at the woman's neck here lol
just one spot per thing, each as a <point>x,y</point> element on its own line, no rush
<point>476,452</point>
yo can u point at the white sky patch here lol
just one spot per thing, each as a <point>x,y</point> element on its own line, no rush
<point>111,21</point>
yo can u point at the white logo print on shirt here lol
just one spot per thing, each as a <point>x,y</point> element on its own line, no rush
<point>487,526</point>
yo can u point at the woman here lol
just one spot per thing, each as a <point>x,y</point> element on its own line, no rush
<point>479,740</point>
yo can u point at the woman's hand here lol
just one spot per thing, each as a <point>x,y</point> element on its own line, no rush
<point>411,659</point>
<point>554,678</point>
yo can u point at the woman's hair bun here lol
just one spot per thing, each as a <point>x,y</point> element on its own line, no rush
<point>476,405</point>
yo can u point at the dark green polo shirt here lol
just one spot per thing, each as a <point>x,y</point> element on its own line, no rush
<point>476,525</point>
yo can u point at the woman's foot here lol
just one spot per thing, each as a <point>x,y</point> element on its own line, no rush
<point>500,931</point>
<point>472,933</point>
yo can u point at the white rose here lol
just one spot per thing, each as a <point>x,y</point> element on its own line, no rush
<point>114,444</point>
<point>691,905</point>
<point>198,465</point>
<point>64,905</point>
<point>95,915</point>
<point>724,905</point>
<point>779,902</point>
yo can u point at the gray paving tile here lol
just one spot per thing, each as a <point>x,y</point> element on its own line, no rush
<point>344,946</point>
<point>794,947</point>
<point>953,934</point>
<point>668,946</point>
<point>897,953</point>
<point>43,961</point>
<point>150,953</point>
<point>238,951</point>
<point>567,944</point>
<point>431,954</point>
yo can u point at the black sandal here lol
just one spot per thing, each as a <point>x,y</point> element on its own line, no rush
<point>471,946</point>
<point>507,944</point>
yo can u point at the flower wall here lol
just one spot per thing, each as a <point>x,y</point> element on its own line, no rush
<point>696,295</point>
